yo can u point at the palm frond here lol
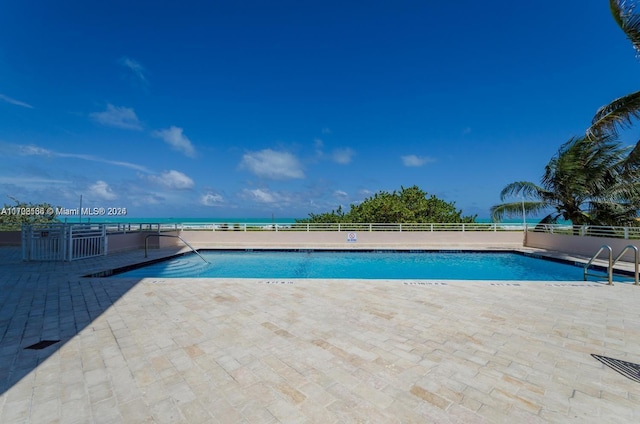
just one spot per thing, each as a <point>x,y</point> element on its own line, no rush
<point>619,113</point>
<point>621,192</point>
<point>623,13</point>
<point>613,213</point>
<point>498,212</point>
<point>526,188</point>
<point>632,162</point>
<point>550,219</point>
<point>622,111</point>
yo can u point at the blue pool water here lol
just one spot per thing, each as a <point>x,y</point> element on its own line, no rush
<point>367,265</point>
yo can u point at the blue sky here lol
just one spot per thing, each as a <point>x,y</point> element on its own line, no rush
<point>254,108</point>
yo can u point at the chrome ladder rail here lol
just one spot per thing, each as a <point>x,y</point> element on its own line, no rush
<point>636,261</point>
<point>146,240</point>
<point>609,268</point>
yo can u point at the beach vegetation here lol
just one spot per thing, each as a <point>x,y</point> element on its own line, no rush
<point>585,183</point>
<point>14,216</point>
<point>407,205</point>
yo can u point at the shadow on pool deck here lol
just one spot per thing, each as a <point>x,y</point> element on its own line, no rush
<point>50,301</point>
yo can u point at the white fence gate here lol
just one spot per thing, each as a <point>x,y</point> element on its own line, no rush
<point>63,242</point>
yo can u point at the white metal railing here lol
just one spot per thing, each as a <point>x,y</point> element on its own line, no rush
<point>44,243</point>
<point>294,226</point>
<point>123,228</point>
<point>63,242</point>
<point>584,230</point>
<point>87,241</point>
<point>588,230</point>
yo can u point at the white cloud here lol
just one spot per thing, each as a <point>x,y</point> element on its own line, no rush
<point>119,117</point>
<point>273,165</point>
<point>364,193</point>
<point>102,190</point>
<point>326,130</point>
<point>135,67</point>
<point>173,180</point>
<point>177,140</point>
<point>318,144</point>
<point>14,101</point>
<point>343,155</point>
<point>112,162</point>
<point>28,181</point>
<point>31,150</point>
<point>262,195</point>
<point>339,194</point>
<point>415,161</point>
<point>146,201</point>
<point>211,199</point>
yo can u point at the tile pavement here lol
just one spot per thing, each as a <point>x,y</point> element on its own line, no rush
<point>317,351</point>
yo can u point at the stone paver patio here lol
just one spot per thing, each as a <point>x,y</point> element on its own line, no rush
<point>317,351</point>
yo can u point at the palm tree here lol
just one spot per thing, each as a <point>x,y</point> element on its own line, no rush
<point>622,111</point>
<point>585,183</point>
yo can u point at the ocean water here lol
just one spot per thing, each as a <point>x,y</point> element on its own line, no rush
<point>230,220</point>
<point>155,220</point>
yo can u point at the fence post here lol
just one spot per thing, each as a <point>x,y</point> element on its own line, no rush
<point>105,241</point>
<point>67,235</point>
<point>26,242</point>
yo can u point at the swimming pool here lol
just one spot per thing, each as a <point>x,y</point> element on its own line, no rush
<point>361,265</point>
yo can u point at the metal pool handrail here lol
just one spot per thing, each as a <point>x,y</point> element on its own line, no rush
<point>146,247</point>
<point>636,261</point>
<point>609,268</point>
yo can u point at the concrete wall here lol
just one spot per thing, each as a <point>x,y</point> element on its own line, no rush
<point>10,238</point>
<point>130,241</point>
<point>163,242</point>
<point>121,242</point>
<point>339,240</point>
<point>585,246</point>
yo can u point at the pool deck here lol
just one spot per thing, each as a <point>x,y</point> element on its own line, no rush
<point>317,351</point>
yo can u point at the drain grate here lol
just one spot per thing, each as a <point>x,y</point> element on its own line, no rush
<point>42,344</point>
<point>628,369</point>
